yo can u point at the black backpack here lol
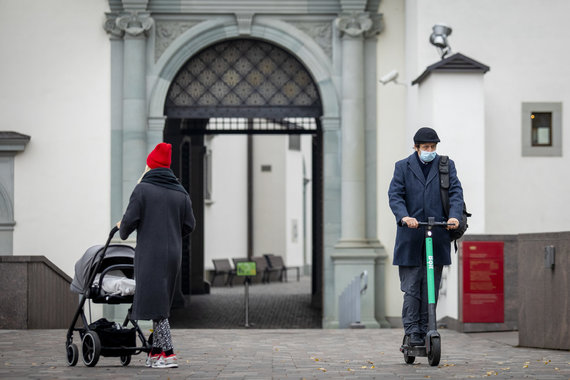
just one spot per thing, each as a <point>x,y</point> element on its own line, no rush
<point>444,189</point>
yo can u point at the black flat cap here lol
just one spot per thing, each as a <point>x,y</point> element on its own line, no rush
<point>425,135</point>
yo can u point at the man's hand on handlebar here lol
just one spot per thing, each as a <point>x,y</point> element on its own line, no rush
<point>410,222</point>
<point>454,224</point>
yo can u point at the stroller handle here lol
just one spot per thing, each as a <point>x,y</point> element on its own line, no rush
<point>113,231</point>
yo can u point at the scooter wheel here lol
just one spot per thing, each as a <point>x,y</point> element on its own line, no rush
<point>408,358</point>
<point>435,351</point>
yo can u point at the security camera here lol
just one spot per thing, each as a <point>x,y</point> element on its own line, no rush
<point>438,38</point>
<point>391,76</point>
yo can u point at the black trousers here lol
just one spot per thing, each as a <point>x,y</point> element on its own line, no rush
<point>413,282</point>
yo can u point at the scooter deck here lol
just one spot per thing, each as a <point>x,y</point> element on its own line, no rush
<point>413,350</point>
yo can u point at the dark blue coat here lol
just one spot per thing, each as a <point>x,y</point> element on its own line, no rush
<point>412,194</point>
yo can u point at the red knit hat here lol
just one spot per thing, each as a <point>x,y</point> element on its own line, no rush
<point>160,157</point>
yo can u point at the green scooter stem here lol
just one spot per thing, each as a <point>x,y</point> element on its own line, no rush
<point>432,348</point>
<point>430,280</point>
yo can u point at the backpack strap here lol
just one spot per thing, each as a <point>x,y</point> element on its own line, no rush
<point>444,182</point>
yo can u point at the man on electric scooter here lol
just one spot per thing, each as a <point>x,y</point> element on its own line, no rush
<point>414,196</point>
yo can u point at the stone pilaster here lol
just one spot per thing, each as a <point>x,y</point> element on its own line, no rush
<point>116,41</point>
<point>358,249</point>
<point>353,192</point>
<point>135,26</point>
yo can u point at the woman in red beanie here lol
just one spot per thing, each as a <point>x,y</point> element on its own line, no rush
<point>160,211</point>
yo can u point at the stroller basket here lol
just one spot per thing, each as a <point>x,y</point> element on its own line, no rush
<point>115,340</point>
<point>105,274</point>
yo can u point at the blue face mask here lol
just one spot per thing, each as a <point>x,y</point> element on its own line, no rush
<point>427,156</point>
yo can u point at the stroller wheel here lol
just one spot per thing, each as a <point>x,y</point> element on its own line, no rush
<point>125,360</point>
<point>91,348</point>
<point>72,354</point>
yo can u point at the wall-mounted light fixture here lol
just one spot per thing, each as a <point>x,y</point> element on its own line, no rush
<point>438,38</point>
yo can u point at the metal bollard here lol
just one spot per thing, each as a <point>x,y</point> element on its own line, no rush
<point>349,303</point>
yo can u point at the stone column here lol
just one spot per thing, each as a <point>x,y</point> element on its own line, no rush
<point>353,254</point>
<point>116,40</point>
<point>353,150</point>
<point>135,24</point>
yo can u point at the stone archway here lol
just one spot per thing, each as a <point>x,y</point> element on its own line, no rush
<point>252,80</point>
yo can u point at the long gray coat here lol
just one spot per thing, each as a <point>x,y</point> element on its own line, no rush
<point>412,194</point>
<point>161,217</point>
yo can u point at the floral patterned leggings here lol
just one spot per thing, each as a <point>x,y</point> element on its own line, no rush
<point>161,337</point>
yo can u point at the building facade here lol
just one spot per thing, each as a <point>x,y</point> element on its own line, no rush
<point>95,85</point>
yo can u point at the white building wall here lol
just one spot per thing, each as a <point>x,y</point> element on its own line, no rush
<point>393,142</point>
<point>306,147</point>
<point>55,74</point>
<point>293,254</point>
<point>225,232</point>
<point>527,65</point>
<point>270,216</point>
<point>522,194</point>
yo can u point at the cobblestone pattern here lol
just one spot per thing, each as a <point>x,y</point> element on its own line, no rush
<point>271,306</point>
<point>287,354</point>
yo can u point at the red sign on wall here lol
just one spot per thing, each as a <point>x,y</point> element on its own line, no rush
<point>483,282</point>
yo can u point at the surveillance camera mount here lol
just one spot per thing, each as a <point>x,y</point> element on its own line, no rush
<point>392,76</point>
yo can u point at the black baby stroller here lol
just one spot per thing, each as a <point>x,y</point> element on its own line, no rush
<point>105,274</point>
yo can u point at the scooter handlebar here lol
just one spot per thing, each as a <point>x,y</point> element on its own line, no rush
<point>440,224</point>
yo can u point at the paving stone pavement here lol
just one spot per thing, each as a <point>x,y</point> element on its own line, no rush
<point>275,305</point>
<point>212,343</point>
<point>287,354</point>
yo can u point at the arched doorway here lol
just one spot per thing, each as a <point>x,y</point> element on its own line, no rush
<point>250,88</point>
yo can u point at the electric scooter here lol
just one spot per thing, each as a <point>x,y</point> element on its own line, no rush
<point>432,347</point>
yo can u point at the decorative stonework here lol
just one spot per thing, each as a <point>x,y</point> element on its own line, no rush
<point>320,32</point>
<point>111,27</point>
<point>167,32</point>
<point>244,21</point>
<point>135,23</point>
<point>377,25</point>
<point>354,24</point>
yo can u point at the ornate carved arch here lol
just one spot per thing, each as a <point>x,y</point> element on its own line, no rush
<point>243,78</point>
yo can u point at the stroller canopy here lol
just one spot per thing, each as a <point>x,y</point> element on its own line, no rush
<point>88,263</point>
